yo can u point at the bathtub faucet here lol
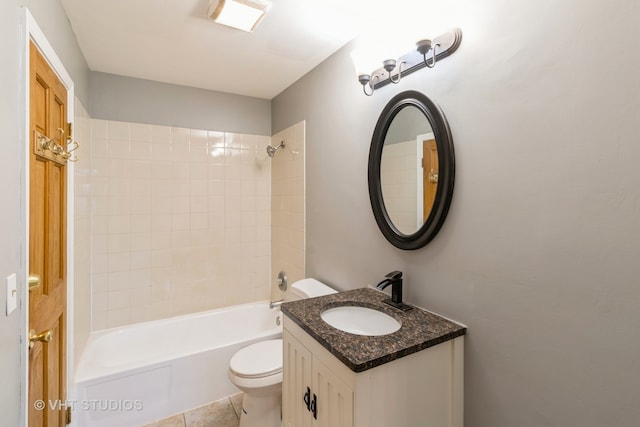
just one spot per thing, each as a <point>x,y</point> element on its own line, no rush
<point>274,304</point>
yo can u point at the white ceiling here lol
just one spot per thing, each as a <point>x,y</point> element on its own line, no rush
<point>173,41</point>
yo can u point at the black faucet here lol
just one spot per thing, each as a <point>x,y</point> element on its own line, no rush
<point>395,280</point>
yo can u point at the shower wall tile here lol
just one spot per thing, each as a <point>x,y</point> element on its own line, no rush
<point>287,207</point>
<point>399,175</point>
<point>82,243</point>
<point>178,215</point>
<point>140,132</point>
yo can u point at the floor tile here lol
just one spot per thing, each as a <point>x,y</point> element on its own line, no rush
<point>174,421</point>
<point>236,402</point>
<point>216,414</point>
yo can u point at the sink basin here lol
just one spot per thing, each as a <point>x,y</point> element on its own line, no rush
<point>360,320</point>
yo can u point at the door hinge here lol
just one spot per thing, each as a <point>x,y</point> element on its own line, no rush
<point>68,416</point>
<point>70,131</point>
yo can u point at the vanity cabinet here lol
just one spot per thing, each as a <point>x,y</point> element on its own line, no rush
<point>421,389</point>
<point>312,394</point>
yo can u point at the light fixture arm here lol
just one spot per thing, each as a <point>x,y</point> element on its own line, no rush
<point>424,49</point>
<point>399,75</point>
<point>365,80</point>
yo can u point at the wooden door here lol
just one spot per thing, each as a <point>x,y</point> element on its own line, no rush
<point>47,247</point>
<point>429,175</point>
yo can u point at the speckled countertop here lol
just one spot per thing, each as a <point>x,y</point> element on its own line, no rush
<point>420,329</point>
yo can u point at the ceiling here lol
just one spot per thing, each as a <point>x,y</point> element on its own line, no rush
<point>173,41</point>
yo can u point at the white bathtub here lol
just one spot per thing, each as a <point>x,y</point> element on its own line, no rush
<point>140,373</point>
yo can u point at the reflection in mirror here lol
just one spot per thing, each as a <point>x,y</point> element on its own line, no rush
<point>409,170</point>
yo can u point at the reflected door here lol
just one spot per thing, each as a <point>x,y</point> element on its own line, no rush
<point>429,175</point>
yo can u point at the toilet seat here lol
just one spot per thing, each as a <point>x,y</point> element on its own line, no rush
<point>259,360</point>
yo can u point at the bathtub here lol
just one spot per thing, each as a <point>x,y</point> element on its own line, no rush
<point>133,375</point>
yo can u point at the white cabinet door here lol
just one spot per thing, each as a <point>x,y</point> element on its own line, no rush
<point>312,394</point>
<point>296,379</point>
<point>334,399</point>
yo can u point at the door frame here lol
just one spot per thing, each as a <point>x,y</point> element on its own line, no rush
<point>30,31</point>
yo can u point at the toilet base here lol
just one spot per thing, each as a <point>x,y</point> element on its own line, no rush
<point>261,410</point>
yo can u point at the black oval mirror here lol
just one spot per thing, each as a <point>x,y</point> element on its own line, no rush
<point>411,170</point>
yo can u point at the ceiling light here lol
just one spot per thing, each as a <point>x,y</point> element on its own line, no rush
<point>241,14</point>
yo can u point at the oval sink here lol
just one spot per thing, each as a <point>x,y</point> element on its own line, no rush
<point>360,320</point>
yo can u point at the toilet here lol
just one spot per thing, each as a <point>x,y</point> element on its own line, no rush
<point>257,368</point>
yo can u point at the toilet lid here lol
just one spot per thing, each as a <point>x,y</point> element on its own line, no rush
<point>258,360</point>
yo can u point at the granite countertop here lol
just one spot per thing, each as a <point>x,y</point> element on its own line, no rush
<point>420,329</point>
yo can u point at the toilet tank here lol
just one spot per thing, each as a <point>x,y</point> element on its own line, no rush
<point>308,288</point>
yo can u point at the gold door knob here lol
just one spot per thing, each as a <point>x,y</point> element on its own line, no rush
<point>433,176</point>
<point>45,336</point>
<point>34,282</point>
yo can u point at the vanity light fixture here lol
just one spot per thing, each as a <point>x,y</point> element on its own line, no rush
<point>394,69</point>
<point>244,15</point>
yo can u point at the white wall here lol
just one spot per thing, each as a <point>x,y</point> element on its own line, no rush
<point>539,253</point>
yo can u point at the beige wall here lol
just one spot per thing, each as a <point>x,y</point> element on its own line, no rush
<point>181,221</point>
<point>287,206</point>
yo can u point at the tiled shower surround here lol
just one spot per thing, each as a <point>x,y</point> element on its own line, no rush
<point>181,221</point>
<point>287,207</point>
<point>82,229</point>
<point>399,176</point>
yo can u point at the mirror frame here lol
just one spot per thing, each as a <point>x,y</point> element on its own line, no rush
<point>446,170</point>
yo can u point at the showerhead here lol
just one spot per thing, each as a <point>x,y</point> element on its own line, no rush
<point>271,151</point>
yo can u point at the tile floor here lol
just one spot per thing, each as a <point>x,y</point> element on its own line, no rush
<point>223,413</point>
